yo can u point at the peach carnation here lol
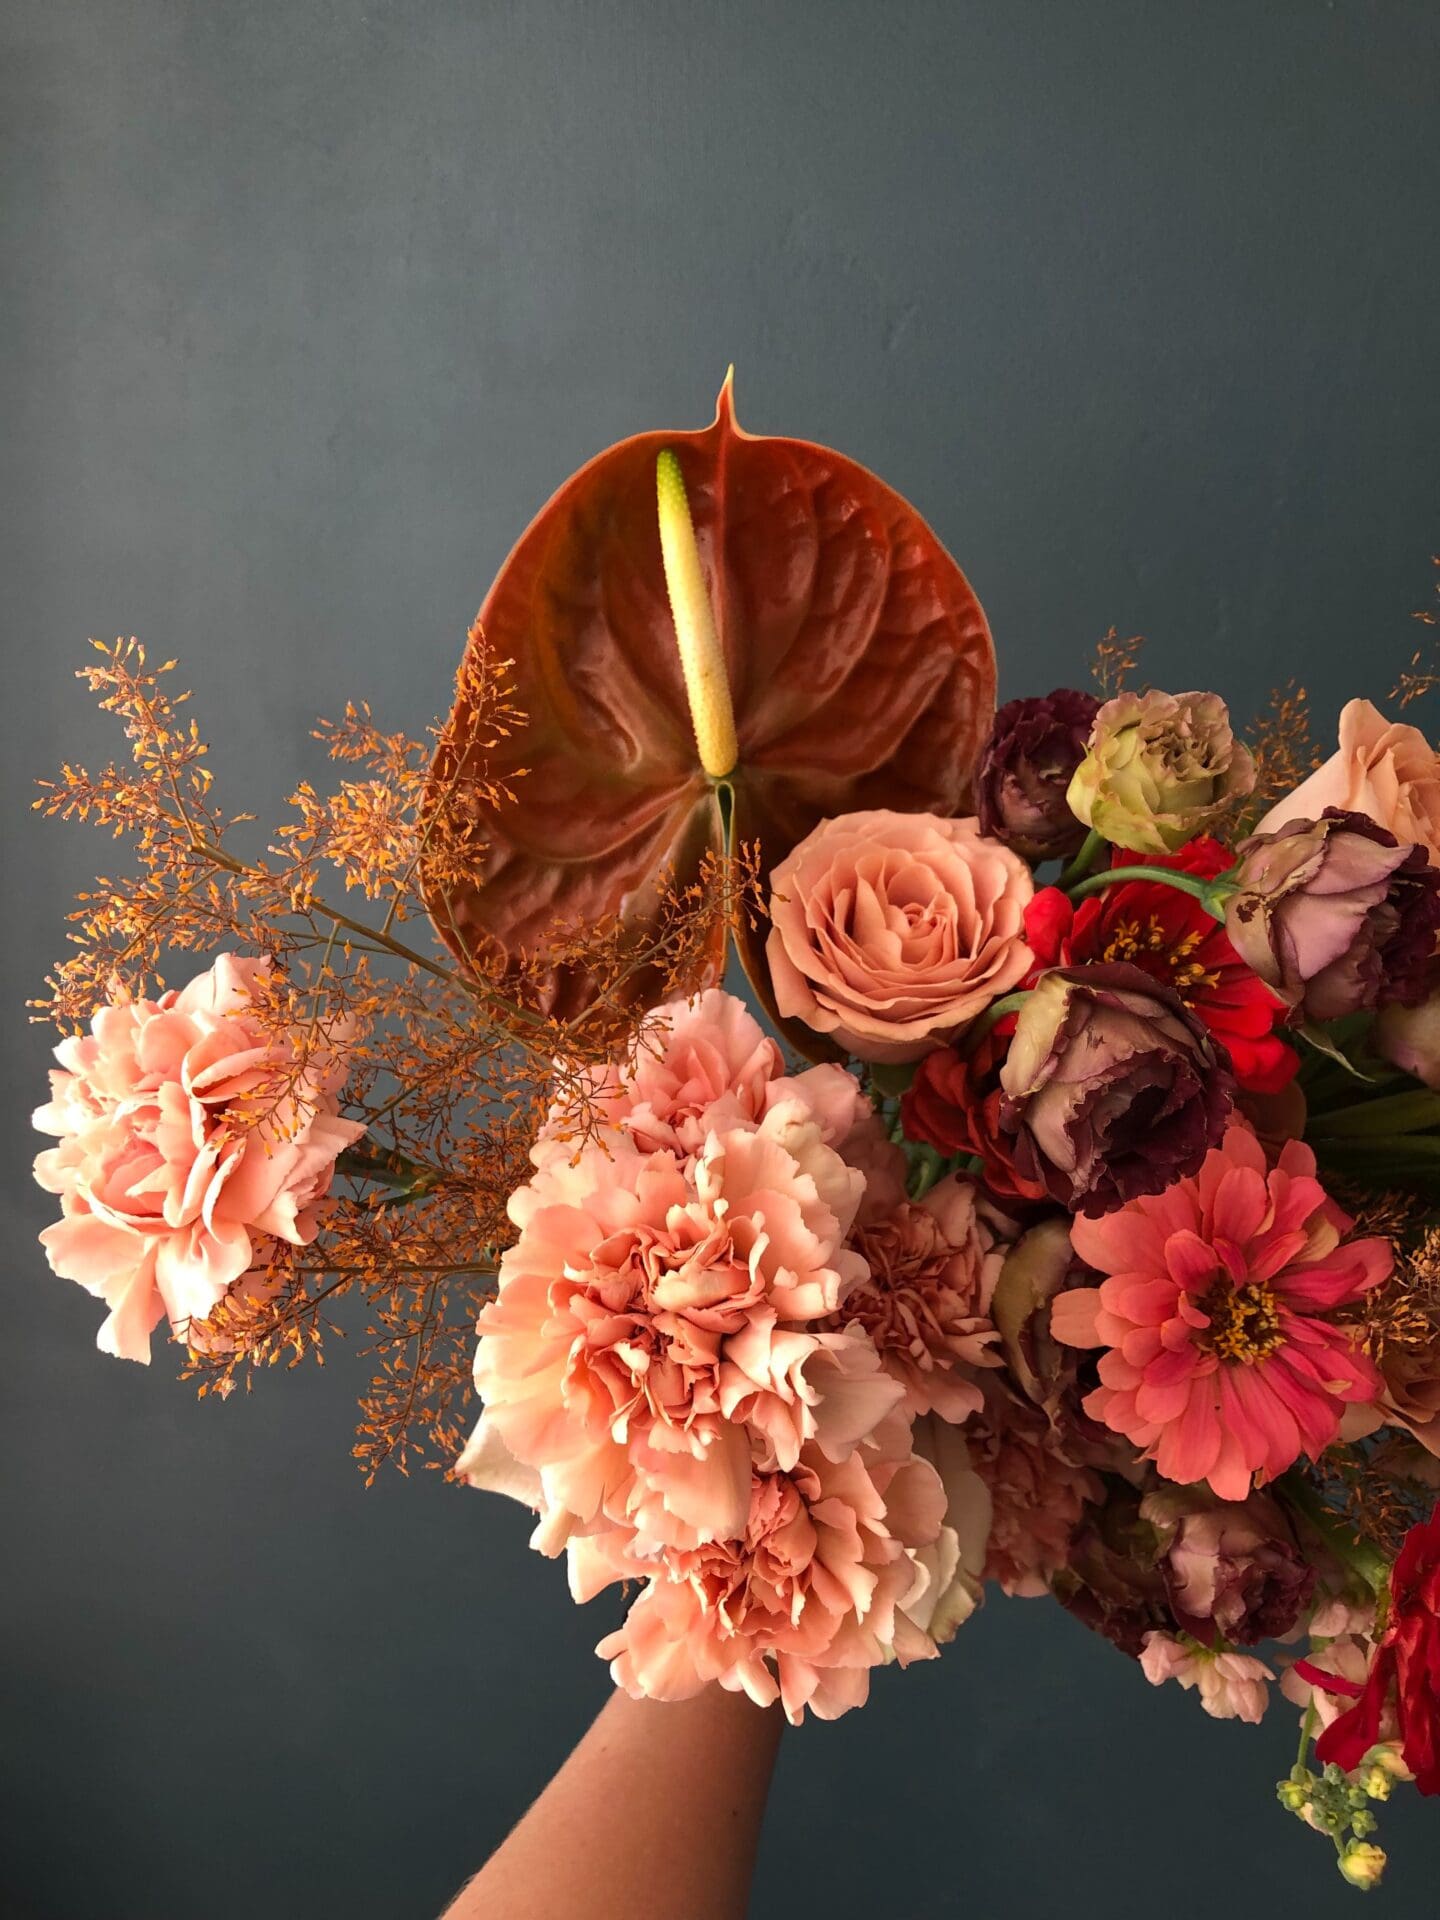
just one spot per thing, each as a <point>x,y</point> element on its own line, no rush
<point>179,1153</point>
<point>810,1593</point>
<point>1223,1359</point>
<point>890,931</point>
<point>1382,768</point>
<point>647,1345</point>
<point>926,1303</point>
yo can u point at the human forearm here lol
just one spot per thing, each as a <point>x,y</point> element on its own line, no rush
<point>658,1810</point>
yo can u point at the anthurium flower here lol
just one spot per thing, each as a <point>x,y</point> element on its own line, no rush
<point>859,666</point>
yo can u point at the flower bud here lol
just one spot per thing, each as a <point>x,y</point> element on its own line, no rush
<point>1363,1864</point>
<point>1161,767</point>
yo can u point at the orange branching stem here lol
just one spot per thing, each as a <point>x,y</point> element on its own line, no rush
<point>452,1068</point>
<point>1115,661</point>
<point>1421,677</point>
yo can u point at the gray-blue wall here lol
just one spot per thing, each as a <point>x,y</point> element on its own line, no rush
<point>306,308</point>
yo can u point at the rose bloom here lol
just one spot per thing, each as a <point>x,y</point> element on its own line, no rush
<point>1037,1496</point>
<point>1161,768</point>
<point>1404,1678</point>
<point>1232,1568</point>
<point>647,1341</point>
<point>1113,1087</point>
<point>811,1592</point>
<point>1335,915</point>
<point>1025,770</point>
<point>892,930</point>
<point>926,1303</point>
<point>1178,942</point>
<point>692,1062</point>
<point>1223,1358</point>
<point>1382,768</point>
<point>954,1104</point>
<point>1231,1686</point>
<point>186,1141</point>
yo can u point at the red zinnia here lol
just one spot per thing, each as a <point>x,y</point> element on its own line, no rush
<point>1405,1672</point>
<point>1170,936</point>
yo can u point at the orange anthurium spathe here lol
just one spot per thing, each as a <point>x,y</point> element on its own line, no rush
<point>859,664</point>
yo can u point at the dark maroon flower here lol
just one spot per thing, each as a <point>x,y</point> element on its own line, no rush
<point>1113,1087</point>
<point>1335,915</point>
<point>1112,1579</point>
<point>1233,1569</point>
<point>1025,769</point>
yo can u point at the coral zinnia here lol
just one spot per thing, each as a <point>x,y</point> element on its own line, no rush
<point>1224,1360</point>
<point>1174,939</point>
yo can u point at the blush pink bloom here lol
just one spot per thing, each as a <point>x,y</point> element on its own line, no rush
<point>648,1344</point>
<point>1382,768</point>
<point>1231,1686</point>
<point>808,1596</point>
<point>1347,1659</point>
<point>926,1304</point>
<point>178,1153</point>
<point>1223,1361</point>
<point>892,930</point>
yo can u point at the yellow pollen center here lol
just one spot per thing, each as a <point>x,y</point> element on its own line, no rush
<point>1132,939</point>
<point>1244,1321</point>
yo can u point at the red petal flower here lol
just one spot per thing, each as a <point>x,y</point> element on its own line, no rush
<point>1172,938</point>
<point>1405,1673</point>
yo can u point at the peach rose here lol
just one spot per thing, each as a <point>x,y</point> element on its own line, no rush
<point>893,930</point>
<point>1382,768</point>
<point>166,1173</point>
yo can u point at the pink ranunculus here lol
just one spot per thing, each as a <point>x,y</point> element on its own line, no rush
<point>926,1304</point>
<point>890,931</point>
<point>649,1343</point>
<point>186,1139</point>
<point>1381,767</point>
<point>809,1593</point>
<point>1224,1359</point>
<point>1037,1496</point>
<point>1231,1686</point>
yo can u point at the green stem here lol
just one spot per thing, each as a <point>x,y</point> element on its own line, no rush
<point>1090,851</point>
<point>1211,894</point>
<point>1307,1729</point>
<point>996,1011</point>
<point>1414,1111</point>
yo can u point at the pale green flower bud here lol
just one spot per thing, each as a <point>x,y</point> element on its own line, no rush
<point>1160,768</point>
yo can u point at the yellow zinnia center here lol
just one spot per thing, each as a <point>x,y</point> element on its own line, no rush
<point>1244,1321</point>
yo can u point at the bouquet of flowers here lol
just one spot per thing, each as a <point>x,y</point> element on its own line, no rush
<point>1061,1211</point>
